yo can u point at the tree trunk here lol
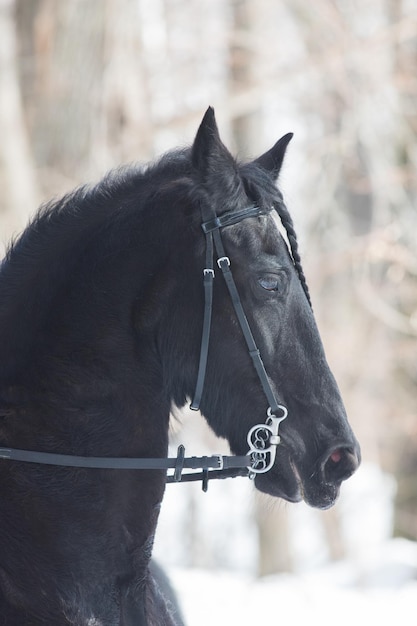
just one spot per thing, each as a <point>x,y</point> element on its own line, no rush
<point>272,522</point>
<point>17,170</point>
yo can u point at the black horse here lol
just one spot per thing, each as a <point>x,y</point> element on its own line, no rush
<point>101,316</point>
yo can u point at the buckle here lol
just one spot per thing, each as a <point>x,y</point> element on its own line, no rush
<point>224,259</point>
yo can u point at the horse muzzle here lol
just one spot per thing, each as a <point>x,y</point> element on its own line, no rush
<point>318,484</point>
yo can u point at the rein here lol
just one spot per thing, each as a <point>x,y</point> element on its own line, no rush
<point>221,466</point>
<point>262,439</point>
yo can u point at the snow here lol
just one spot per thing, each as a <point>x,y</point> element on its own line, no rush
<point>328,597</point>
<point>375,583</point>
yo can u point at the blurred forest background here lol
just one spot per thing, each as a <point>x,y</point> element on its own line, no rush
<point>86,85</point>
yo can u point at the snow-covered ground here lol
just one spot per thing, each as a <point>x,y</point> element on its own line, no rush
<point>332,596</point>
<point>375,583</point>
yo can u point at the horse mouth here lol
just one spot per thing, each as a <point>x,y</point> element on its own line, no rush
<point>319,495</point>
<point>282,481</point>
<point>289,484</point>
<point>298,479</point>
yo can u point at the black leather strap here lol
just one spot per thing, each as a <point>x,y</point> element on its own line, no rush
<point>212,475</point>
<point>212,229</point>
<point>208,278</point>
<point>224,264</point>
<point>217,461</point>
<point>232,217</point>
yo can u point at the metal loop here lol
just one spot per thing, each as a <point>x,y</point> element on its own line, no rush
<point>259,461</point>
<point>259,464</point>
<point>258,438</point>
<point>282,408</point>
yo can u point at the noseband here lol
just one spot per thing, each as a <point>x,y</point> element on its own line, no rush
<point>262,439</point>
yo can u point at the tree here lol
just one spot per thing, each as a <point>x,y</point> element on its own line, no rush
<point>17,169</point>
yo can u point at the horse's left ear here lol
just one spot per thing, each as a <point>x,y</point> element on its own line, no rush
<point>272,160</point>
<point>208,153</point>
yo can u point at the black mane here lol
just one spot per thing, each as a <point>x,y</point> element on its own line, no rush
<point>39,262</point>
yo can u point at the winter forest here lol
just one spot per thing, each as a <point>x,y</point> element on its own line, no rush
<point>88,85</point>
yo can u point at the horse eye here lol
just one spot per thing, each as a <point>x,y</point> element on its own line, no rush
<point>272,282</point>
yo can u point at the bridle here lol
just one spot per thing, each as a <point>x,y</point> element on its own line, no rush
<point>262,439</point>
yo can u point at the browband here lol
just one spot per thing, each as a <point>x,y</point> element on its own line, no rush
<point>232,217</point>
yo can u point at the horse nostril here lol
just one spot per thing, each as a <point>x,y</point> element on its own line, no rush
<point>336,456</point>
<point>340,464</point>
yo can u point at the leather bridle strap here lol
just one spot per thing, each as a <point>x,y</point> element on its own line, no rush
<point>231,217</point>
<point>220,466</point>
<point>208,277</point>
<point>206,475</point>
<point>212,229</point>
<point>178,463</point>
<point>224,264</point>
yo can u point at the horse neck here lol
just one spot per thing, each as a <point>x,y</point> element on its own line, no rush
<point>90,381</point>
<point>90,385</point>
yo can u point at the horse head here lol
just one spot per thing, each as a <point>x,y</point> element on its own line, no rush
<point>317,449</point>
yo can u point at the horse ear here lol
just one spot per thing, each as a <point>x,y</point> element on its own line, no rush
<point>272,160</point>
<point>208,153</point>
